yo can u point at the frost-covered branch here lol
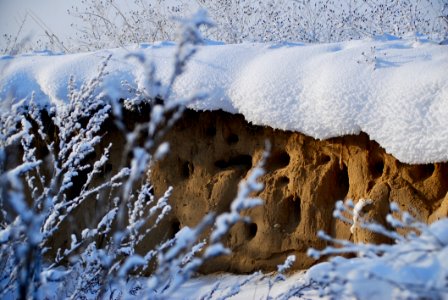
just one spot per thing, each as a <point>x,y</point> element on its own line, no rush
<point>64,172</point>
<point>412,267</point>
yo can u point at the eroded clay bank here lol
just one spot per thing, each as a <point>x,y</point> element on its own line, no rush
<point>212,151</point>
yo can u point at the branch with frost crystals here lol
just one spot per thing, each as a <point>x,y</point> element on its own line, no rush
<point>97,168</point>
<point>162,118</point>
<point>410,268</point>
<point>74,139</point>
<point>358,221</point>
<point>348,208</point>
<point>104,253</point>
<point>236,288</point>
<point>357,212</point>
<point>171,272</point>
<point>161,210</point>
<point>22,236</point>
<point>281,269</point>
<point>190,37</point>
<point>103,228</point>
<point>165,110</point>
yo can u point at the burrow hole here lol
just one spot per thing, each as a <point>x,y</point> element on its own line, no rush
<point>292,205</point>
<point>174,228</point>
<point>239,161</point>
<point>277,160</point>
<point>424,171</point>
<point>343,183</point>
<point>283,180</point>
<point>186,170</point>
<point>376,167</point>
<point>250,230</point>
<point>323,159</point>
<point>232,139</point>
<point>107,168</point>
<point>210,131</point>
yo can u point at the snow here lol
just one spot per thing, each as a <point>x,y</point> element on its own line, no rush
<point>416,266</point>
<point>395,90</point>
<point>254,286</point>
<point>254,289</point>
<point>357,211</point>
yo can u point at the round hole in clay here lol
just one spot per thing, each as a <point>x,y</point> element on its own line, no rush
<point>283,180</point>
<point>420,172</point>
<point>186,170</point>
<point>239,161</point>
<point>324,159</point>
<point>343,183</point>
<point>377,168</point>
<point>251,230</point>
<point>291,215</point>
<point>210,131</point>
<point>107,168</point>
<point>277,160</point>
<point>174,227</point>
<point>425,171</point>
<point>232,139</point>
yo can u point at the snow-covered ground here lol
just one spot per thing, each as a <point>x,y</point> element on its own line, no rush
<point>257,287</point>
<point>395,90</point>
<point>411,269</point>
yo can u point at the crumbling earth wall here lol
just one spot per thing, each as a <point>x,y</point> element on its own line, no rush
<point>212,151</point>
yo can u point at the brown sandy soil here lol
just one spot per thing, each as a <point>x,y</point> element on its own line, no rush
<point>212,151</point>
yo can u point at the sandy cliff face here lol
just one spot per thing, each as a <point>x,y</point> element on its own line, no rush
<point>212,151</point>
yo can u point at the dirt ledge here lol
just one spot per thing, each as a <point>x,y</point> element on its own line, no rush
<point>212,151</point>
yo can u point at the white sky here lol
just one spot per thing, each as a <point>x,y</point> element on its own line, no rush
<point>52,12</point>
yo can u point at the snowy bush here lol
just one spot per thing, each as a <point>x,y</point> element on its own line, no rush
<point>63,172</point>
<point>415,266</point>
<point>323,21</point>
<point>111,23</point>
<point>106,24</point>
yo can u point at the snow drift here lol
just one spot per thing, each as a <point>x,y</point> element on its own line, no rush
<point>395,90</point>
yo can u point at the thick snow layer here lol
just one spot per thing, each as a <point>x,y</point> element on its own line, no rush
<point>395,90</point>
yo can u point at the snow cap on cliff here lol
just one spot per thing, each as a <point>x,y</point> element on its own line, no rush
<point>395,90</point>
